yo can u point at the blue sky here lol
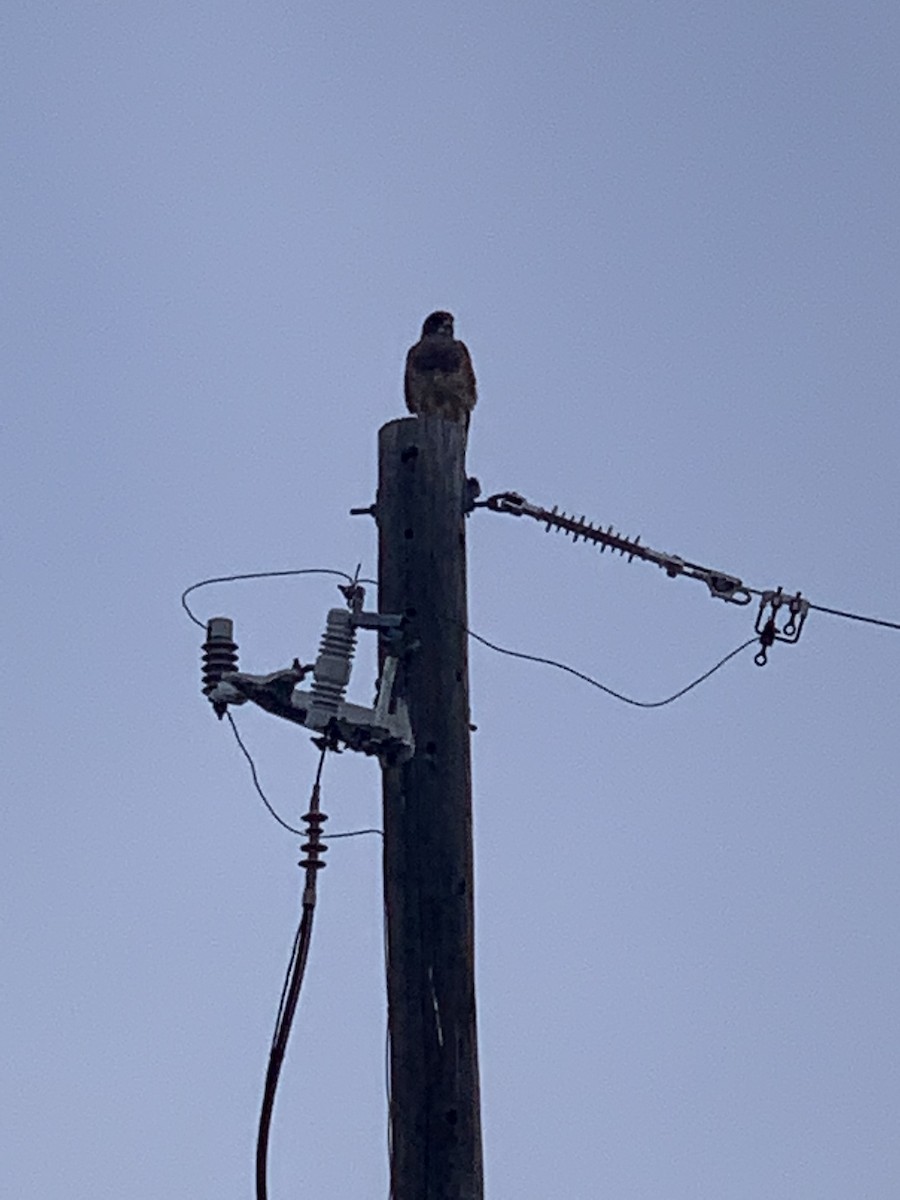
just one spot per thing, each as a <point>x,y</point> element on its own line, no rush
<point>669,235</point>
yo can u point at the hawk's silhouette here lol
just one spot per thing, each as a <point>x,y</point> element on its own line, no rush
<point>439,376</point>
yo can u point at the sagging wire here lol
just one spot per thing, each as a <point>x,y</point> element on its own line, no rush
<point>255,777</point>
<point>550,662</point>
<point>326,837</point>
<point>790,632</point>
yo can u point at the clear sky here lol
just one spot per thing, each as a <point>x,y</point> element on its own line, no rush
<point>669,233</point>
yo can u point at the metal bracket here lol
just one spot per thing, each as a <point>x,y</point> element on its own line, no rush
<point>767,625</point>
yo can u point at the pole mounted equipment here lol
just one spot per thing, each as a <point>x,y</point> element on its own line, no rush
<point>220,657</point>
<point>383,730</point>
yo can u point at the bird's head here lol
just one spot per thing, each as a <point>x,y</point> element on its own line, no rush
<point>438,322</point>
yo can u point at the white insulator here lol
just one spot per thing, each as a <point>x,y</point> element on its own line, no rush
<point>332,670</point>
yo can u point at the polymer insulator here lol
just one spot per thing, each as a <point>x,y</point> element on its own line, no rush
<point>220,656</point>
<point>332,670</point>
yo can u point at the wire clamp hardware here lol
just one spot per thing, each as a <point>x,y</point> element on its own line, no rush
<point>767,621</point>
<point>509,502</point>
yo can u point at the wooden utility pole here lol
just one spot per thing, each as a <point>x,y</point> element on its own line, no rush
<point>435,1111</point>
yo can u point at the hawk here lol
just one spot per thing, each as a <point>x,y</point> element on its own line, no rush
<point>439,377</point>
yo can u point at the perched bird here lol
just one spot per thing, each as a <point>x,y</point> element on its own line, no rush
<point>439,376</point>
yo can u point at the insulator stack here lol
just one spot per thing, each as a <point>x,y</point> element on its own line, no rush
<point>315,846</point>
<point>220,656</point>
<point>332,670</point>
<point>577,527</point>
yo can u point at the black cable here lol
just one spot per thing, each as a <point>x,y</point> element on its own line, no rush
<point>549,662</point>
<point>330,837</point>
<point>849,616</point>
<point>290,994</point>
<point>834,612</point>
<point>256,783</point>
<point>326,837</point>
<point>253,575</point>
<point>289,974</point>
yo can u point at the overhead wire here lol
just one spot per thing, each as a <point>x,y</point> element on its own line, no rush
<point>550,662</point>
<point>822,608</point>
<point>525,657</point>
<point>255,777</point>
<point>535,658</point>
<point>326,837</point>
<point>851,616</point>
<point>331,837</point>
<point>253,575</point>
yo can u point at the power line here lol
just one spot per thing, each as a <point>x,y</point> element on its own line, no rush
<point>850,616</point>
<point>536,658</point>
<point>549,662</point>
<point>331,837</point>
<point>326,837</point>
<point>254,575</point>
<point>255,777</point>
<point>720,584</point>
